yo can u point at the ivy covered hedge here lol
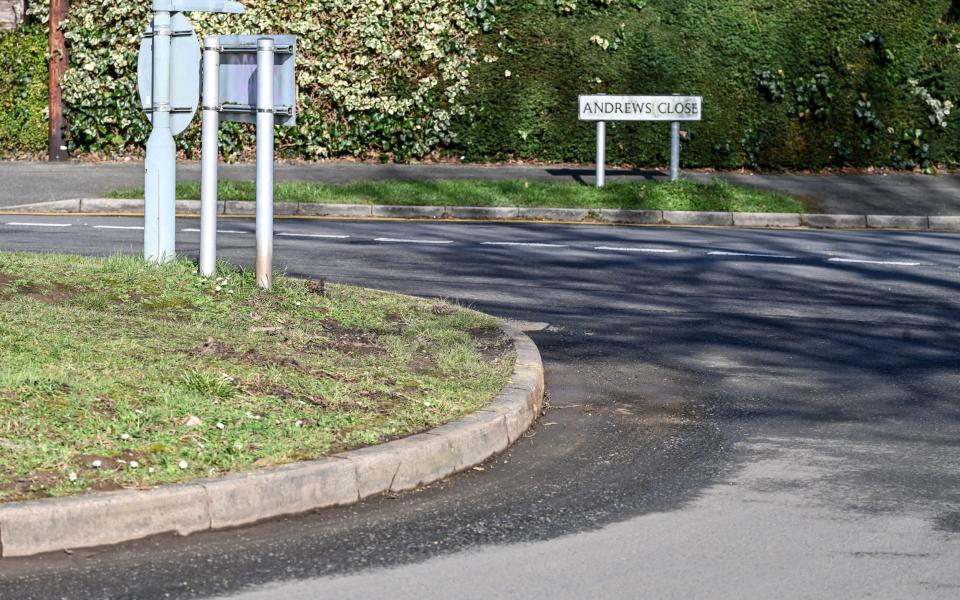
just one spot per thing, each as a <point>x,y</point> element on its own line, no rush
<point>786,84</point>
<point>381,77</point>
<point>23,92</point>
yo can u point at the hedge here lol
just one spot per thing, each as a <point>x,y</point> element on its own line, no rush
<point>381,77</point>
<point>786,84</point>
<point>23,92</point>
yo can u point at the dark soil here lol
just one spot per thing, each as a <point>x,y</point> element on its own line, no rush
<point>491,343</point>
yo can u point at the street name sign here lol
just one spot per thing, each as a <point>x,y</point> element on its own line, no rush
<point>641,108</point>
<point>601,108</point>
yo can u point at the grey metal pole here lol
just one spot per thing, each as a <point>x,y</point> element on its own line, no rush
<point>160,166</point>
<point>265,118</point>
<point>675,151</point>
<point>601,153</point>
<point>210,153</point>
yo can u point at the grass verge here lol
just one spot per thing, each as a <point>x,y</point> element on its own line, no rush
<point>119,374</point>
<point>682,195</point>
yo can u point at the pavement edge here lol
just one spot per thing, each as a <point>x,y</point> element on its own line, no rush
<point>35,527</point>
<point>108,207</point>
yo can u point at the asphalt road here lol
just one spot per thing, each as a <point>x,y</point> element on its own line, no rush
<point>876,194</point>
<point>733,414</point>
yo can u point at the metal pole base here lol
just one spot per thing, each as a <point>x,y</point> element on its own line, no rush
<point>210,154</point>
<point>160,166</point>
<point>265,120</point>
<point>160,206</point>
<point>675,151</point>
<point>601,153</point>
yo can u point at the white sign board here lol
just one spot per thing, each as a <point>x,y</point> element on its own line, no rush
<point>641,108</point>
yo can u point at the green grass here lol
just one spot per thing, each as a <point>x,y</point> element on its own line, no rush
<point>164,376</point>
<point>682,195</point>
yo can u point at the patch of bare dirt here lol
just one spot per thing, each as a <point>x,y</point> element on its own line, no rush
<point>34,485</point>
<point>318,288</point>
<point>55,295</point>
<point>442,309</point>
<point>39,484</point>
<point>423,364</point>
<point>347,340</point>
<point>491,343</point>
<point>90,462</point>
<point>217,349</point>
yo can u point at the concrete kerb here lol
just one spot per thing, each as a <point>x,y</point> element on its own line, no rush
<point>497,213</point>
<point>38,526</point>
<point>572,215</point>
<point>108,206</point>
<point>834,221</point>
<point>65,206</point>
<point>637,217</point>
<point>407,212</point>
<point>334,210</point>
<point>745,219</point>
<point>681,217</point>
<point>938,223</point>
<point>97,205</point>
<point>897,222</point>
<point>28,528</point>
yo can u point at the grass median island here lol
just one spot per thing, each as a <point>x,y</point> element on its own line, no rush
<point>682,195</point>
<point>119,374</point>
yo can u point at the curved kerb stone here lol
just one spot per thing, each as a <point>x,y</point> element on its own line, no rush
<point>38,526</point>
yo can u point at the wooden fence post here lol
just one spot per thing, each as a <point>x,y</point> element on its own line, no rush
<point>57,148</point>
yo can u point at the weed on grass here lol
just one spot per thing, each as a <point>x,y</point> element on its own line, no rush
<point>119,374</point>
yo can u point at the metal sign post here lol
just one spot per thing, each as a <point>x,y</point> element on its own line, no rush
<point>248,79</point>
<point>265,60</point>
<point>170,102</point>
<point>209,151</point>
<point>675,151</point>
<point>601,152</point>
<point>160,169</point>
<point>676,108</point>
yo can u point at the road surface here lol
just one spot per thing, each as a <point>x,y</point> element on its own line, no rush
<point>733,414</point>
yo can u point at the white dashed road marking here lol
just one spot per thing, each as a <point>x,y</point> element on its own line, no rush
<point>315,235</point>
<point>645,250</point>
<point>528,244</point>
<point>404,241</point>
<point>751,255</point>
<point>640,250</point>
<point>218,231</point>
<point>895,263</point>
